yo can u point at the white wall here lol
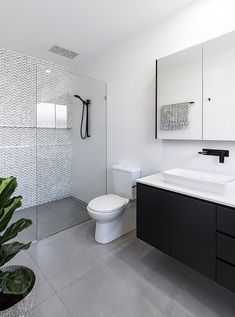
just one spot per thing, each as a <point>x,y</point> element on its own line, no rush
<point>89,155</point>
<point>130,72</point>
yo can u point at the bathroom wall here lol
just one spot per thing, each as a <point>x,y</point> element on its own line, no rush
<point>89,155</point>
<point>129,70</point>
<point>40,158</point>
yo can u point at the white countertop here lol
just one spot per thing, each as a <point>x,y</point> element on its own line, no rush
<point>156,180</point>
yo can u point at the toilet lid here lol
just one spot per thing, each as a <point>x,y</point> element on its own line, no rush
<point>107,203</point>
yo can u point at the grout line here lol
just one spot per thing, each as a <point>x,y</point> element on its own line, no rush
<point>62,302</point>
<point>55,292</point>
<point>34,306</point>
<point>62,230</point>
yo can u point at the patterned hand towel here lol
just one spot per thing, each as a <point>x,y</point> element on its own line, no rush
<point>174,116</point>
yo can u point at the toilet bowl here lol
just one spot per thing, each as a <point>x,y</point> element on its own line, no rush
<point>108,210</point>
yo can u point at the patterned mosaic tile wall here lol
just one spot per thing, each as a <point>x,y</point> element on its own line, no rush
<point>40,158</point>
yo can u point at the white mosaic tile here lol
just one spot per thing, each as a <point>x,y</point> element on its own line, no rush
<point>19,160</point>
<point>41,159</point>
<point>55,87</point>
<point>17,90</point>
<point>54,164</point>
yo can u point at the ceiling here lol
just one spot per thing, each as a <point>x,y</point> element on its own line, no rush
<point>88,27</point>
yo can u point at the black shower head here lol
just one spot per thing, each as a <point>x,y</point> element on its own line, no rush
<point>76,96</point>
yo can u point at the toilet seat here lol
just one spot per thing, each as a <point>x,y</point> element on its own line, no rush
<point>107,203</point>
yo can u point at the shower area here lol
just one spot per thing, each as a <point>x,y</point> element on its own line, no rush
<point>57,170</point>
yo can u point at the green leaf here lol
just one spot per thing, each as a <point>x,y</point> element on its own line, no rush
<point>7,188</point>
<point>14,229</point>
<point>8,205</point>
<point>8,211</point>
<point>17,282</point>
<point>8,251</point>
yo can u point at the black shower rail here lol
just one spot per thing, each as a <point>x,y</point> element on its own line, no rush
<point>85,107</point>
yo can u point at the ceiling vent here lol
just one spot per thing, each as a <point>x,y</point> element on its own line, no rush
<point>63,52</point>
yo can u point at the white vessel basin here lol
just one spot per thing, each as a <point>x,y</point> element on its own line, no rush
<point>203,181</point>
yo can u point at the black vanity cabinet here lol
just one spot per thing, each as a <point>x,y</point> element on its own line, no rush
<point>193,226</point>
<point>226,247</point>
<point>153,217</point>
<point>196,232</point>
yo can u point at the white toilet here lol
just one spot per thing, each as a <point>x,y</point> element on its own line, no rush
<point>109,210</point>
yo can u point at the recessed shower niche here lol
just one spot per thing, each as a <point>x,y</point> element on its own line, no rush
<point>41,145</point>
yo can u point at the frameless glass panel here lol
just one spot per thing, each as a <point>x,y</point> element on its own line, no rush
<point>54,146</point>
<point>89,155</point>
<point>70,171</point>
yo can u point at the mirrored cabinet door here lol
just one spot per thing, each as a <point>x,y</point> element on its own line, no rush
<point>219,88</point>
<point>179,95</point>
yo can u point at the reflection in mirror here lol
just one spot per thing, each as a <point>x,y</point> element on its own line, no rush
<point>179,95</point>
<point>219,83</point>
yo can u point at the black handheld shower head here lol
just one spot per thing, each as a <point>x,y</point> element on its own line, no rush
<point>83,101</point>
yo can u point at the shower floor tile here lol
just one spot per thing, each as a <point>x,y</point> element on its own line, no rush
<point>51,218</point>
<point>59,215</point>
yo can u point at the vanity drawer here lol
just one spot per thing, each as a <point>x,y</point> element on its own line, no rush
<point>226,248</point>
<point>226,275</point>
<point>226,220</point>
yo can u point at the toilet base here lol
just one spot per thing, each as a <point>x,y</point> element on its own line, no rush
<point>106,232</point>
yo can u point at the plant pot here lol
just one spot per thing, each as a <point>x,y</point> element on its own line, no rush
<point>17,305</point>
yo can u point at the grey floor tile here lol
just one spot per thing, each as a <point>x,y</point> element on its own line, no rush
<point>43,289</point>
<point>124,278</point>
<point>62,260</point>
<point>52,307</point>
<point>203,297</point>
<point>69,210</point>
<point>62,204</point>
<point>156,277</point>
<point>100,293</point>
<point>59,215</point>
<point>175,310</point>
<point>83,236</point>
<point>49,223</point>
<point>73,216</point>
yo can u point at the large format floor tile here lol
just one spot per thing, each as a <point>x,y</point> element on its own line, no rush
<point>202,297</point>
<point>76,276</point>
<point>43,289</point>
<point>52,307</point>
<point>175,310</point>
<point>48,222</point>
<point>51,218</point>
<point>62,260</point>
<point>69,210</point>
<point>156,277</point>
<point>101,293</point>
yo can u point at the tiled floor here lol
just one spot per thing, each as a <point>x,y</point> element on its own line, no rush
<point>52,217</point>
<point>127,278</point>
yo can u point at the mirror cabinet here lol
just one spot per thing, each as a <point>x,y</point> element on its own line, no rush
<point>195,92</point>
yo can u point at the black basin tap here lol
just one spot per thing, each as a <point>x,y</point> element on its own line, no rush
<point>221,153</point>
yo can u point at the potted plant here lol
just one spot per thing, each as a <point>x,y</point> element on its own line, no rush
<point>16,282</point>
